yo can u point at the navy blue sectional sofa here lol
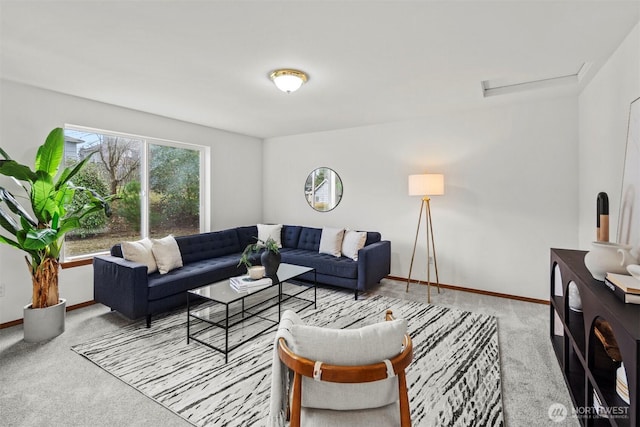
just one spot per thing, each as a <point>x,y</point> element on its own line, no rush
<point>124,286</point>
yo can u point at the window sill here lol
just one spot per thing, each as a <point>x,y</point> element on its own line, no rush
<point>77,263</point>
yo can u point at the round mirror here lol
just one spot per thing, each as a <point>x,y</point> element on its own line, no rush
<point>323,189</point>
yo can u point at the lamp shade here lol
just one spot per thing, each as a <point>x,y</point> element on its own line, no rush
<point>428,184</point>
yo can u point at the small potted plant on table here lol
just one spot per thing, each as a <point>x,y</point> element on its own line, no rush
<point>270,258</point>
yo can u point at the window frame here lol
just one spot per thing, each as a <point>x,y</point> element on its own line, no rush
<point>204,177</point>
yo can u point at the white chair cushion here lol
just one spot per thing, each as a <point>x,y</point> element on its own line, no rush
<point>270,230</point>
<point>331,241</point>
<point>140,252</point>
<point>167,254</point>
<point>363,346</point>
<point>347,397</point>
<point>388,416</point>
<point>352,242</point>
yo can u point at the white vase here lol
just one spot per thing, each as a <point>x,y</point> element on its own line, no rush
<point>41,324</point>
<point>608,257</point>
<point>575,301</point>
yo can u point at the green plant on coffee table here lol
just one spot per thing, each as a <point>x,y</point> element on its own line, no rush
<point>252,248</point>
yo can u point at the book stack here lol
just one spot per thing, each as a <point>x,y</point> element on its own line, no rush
<point>247,284</point>
<point>626,288</point>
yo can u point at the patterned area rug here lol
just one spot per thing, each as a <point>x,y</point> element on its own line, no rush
<point>454,379</point>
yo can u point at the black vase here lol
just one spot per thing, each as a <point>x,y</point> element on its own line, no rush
<point>270,261</point>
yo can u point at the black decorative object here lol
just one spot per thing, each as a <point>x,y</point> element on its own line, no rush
<point>270,261</point>
<point>602,221</point>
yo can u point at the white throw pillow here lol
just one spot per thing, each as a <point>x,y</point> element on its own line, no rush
<point>331,241</point>
<point>167,254</point>
<point>352,242</point>
<point>366,345</point>
<point>270,230</point>
<point>140,252</point>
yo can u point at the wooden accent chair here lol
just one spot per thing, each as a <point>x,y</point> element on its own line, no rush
<point>342,374</point>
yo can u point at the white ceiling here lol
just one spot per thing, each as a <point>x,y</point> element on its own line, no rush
<point>207,62</point>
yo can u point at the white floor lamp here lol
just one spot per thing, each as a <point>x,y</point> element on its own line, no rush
<point>426,185</point>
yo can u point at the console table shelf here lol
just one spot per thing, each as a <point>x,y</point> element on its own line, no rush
<point>586,367</point>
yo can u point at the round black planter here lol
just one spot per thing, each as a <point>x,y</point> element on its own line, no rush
<point>270,261</point>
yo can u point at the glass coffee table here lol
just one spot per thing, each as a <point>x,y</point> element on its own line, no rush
<point>243,315</point>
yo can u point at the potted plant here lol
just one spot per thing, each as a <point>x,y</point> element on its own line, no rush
<point>39,230</point>
<point>270,258</point>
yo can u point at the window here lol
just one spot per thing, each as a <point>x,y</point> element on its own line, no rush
<point>159,186</point>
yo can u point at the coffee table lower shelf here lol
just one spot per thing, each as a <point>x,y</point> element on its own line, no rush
<point>243,318</point>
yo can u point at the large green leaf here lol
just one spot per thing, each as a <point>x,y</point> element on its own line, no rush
<point>64,196</point>
<point>96,201</point>
<point>4,154</point>
<point>40,238</point>
<point>7,222</point>
<point>16,170</point>
<point>51,152</point>
<point>69,173</point>
<point>10,242</point>
<point>55,221</point>
<point>15,207</point>
<point>68,225</point>
<point>43,198</point>
<point>26,225</point>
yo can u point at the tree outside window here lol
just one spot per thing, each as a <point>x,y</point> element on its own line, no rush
<point>171,204</point>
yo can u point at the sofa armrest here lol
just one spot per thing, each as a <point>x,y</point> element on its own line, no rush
<point>121,285</point>
<point>374,263</point>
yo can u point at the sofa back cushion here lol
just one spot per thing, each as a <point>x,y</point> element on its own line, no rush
<point>247,235</point>
<point>236,239</point>
<point>116,250</point>
<point>372,237</point>
<point>310,239</point>
<point>208,245</point>
<point>290,236</point>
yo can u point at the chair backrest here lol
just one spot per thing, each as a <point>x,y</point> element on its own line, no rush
<point>305,367</point>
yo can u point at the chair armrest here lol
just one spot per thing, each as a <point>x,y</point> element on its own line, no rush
<point>374,263</point>
<point>121,285</point>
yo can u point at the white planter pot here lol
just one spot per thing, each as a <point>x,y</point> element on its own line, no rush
<point>41,324</point>
<point>607,257</point>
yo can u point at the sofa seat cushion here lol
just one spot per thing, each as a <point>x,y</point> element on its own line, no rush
<point>192,276</point>
<point>323,263</point>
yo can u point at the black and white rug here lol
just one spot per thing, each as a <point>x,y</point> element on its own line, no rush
<point>454,379</point>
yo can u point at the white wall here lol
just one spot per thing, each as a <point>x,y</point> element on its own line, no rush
<point>510,181</point>
<point>517,180</point>
<point>27,114</point>
<point>603,122</point>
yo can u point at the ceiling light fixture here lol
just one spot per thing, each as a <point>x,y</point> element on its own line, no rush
<point>288,80</point>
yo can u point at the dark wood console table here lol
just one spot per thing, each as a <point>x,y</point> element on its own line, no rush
<point>586,366</point>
